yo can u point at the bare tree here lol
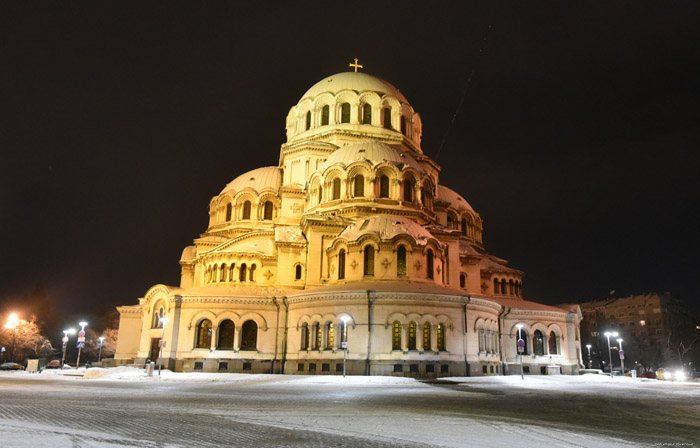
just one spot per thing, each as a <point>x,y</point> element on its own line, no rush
<point>25,339</point>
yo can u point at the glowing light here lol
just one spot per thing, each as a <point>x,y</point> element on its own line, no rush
<point>12,321</point>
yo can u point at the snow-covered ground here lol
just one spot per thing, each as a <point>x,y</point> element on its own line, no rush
<point>123,407</point>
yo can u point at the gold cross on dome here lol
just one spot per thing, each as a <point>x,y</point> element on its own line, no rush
<point>356,65</point>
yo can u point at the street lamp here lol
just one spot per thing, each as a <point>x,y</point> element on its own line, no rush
<point>99,355</point>
<point>12,323</point>
<point>81,341</point>
<point>345,320</point>
<point>590,361</point>
<point>65,341</point>
<point>163,320</point>
<point>607,334</point>
<point>521,348</point>
<point>622,356</point>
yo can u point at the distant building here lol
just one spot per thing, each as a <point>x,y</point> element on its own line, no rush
<point>350,240</point>
<point>652,328</point>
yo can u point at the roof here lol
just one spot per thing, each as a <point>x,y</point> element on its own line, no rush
<point>519,304</point>
<point>258,179</point>
<point>372,152</point>
<point>387,227</point>
<point>451,196</point>
<point>359,82</point>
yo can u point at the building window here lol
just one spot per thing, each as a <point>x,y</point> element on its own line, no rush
<point>325,114</point>
<point>430,263</point>
<point>482,340</point>
<point>223,366</point>
<point>387,118</point>
<point>246,210</point>
<point>341,264</point>
<point>305,336</point>
<point>249,335</point>
<point>308,120</point>
<point>318,336</point>
<point>496,286</point>
<point>203,334</point>
<point>412,330</point>
<point>343,333</point>
<point>359,186</point>
<point>383,186</point>
<point>367,114</point>
<point>552,343</point>
<point>398,368</point>
<point>521,334</point>
<point>320,194</point>
<point>336,188</point>
<point>345,113</point>
<point>451,221</point>
<point>463,280</point>
<point>403,125</point>
<point>157,316</point>
<point>229,208</point>
<point>267,215</point>
<point>464,227</point>
<point>300,367</point>
<point>231,271</point>
<point>511,289</point>
<point>242,272</point>
<point>538,343</point>
<point>408,190</point>
<point>226,332</point>
<point>198,365</point>
<point>369,260</point>
<point>222,277</point>
<point>401,260</point>
<point>427,336</point>
<point>396,335</point>
<point>215,273</point>
<point>330,335</point>
<point>441,338</point>
<point>252,273</point>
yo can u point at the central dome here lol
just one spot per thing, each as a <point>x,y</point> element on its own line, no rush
<point>373,152</point>
<point>358,82</point>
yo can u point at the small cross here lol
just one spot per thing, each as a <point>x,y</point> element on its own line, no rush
<point>386,263</point>
<point>356,65</point>
<point>268,274</point>
<point>354,264</point>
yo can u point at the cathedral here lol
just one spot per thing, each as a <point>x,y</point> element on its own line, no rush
<point>348,254</point>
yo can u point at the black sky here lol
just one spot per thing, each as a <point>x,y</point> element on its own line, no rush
<point>576,140</point>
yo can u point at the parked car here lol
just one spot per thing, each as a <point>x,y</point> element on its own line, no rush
<point>54,364</point>
<point>11,366</point>
<point>650,375</point>
<point>671,374</point>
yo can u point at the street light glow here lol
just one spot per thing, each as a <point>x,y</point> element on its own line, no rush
<point>83,324</point>
<point>12,321</point>
<point>164,320</point>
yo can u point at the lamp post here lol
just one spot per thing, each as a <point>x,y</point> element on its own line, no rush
<point>65,342</point>
<point>81,341</point>
<point>521,348</point>
<point>99,354</point>
<point>622,356</point>
<point>345,320</point>
<point>607,334</point>
<point>590,361</point>
<point>163,320</point>
<point>12,323</point>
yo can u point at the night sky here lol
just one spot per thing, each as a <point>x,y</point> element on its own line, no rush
<point>575,132</point>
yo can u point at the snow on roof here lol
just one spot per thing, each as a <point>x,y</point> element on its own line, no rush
<point>451,196</point>
<point>519,304</point>
<point>371,151</point>
<point>387,227</point>
<point>258,179</point>
<point>289,234</point>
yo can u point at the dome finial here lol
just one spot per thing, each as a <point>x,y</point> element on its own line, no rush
<point>356,65</point>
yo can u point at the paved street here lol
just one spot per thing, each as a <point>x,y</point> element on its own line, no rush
<point>264,410</point>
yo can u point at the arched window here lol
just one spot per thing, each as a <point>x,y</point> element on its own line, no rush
<point>336,188</point>
<point>252,273</point>
<point>538,343</point>
<point>325,113</point>
<point>429,263</point>
<point>226,332</point>
<point>222,278</point>
<point>387,117</point>
<point>511,287</point>
<point>359,186</point>
<point>552,343</point>
<point>464,226</point>
<point>412,330</point>
<point>308,120</point>
<point>463,280</point>
<point>427,336</point>
<point>229,208</point>
<point>343,332</point>
<point>231,271</point>
<point>330,335</point>
<point>320,194</point>
<point>408,190</point>
<point>203,334</point>
<point>345,113</point>
<point>242,272</point>
<point>297,272</point>
<point>482,340</point>
<point>215,273</point>
<point>318,336</point>
<point>267,214</point>
<point>403,125</point>
<point>518,289</point>
<point>367,114</point>
<point>157,316</point>
<point>441,337</point>
<point>521,334</point>
<point>369,260</point>
<point>383,186</point>
<point>341,264</point>
<point>396,335</point>
<point>451,221</point>
<point>496,286</point>
<point>249,335</point>
<point>401,260</point>
<point>246,210</point>
<point>305,336</point>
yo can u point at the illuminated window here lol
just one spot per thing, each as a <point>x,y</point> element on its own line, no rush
<point>308,121</point>
<point>412,330</point>
<point>538,343</point>
<point>396,335</point>
<point>427,336</point>
<point>203,334</point>
<point>330,335</point>
<point>345,113</point>
<point>359,185</point>
<point>643,323</point>
<point>318,336</point>
<point>387,118</point>
<point>341,264</point>
<point>336,188</point>
<point>249,335</point>
<point>267,215</point>
<point>430,263</point>
<point>343,333</point>
<point>441,338</point>
<point>401,260</point>
<point>369,260</point>
<point>228,211</point>
<point>246,210</point>
<point>226,332</point>
<point>366,114</point>
<point>305,336</point>
<point>383,186</point>
<point>325,114</point>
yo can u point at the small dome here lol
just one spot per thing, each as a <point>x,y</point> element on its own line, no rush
<point>453,198</point>
<point>372,151</point>
<point>387,227</point>
<point>258,179</point>
<point>358,82</point>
